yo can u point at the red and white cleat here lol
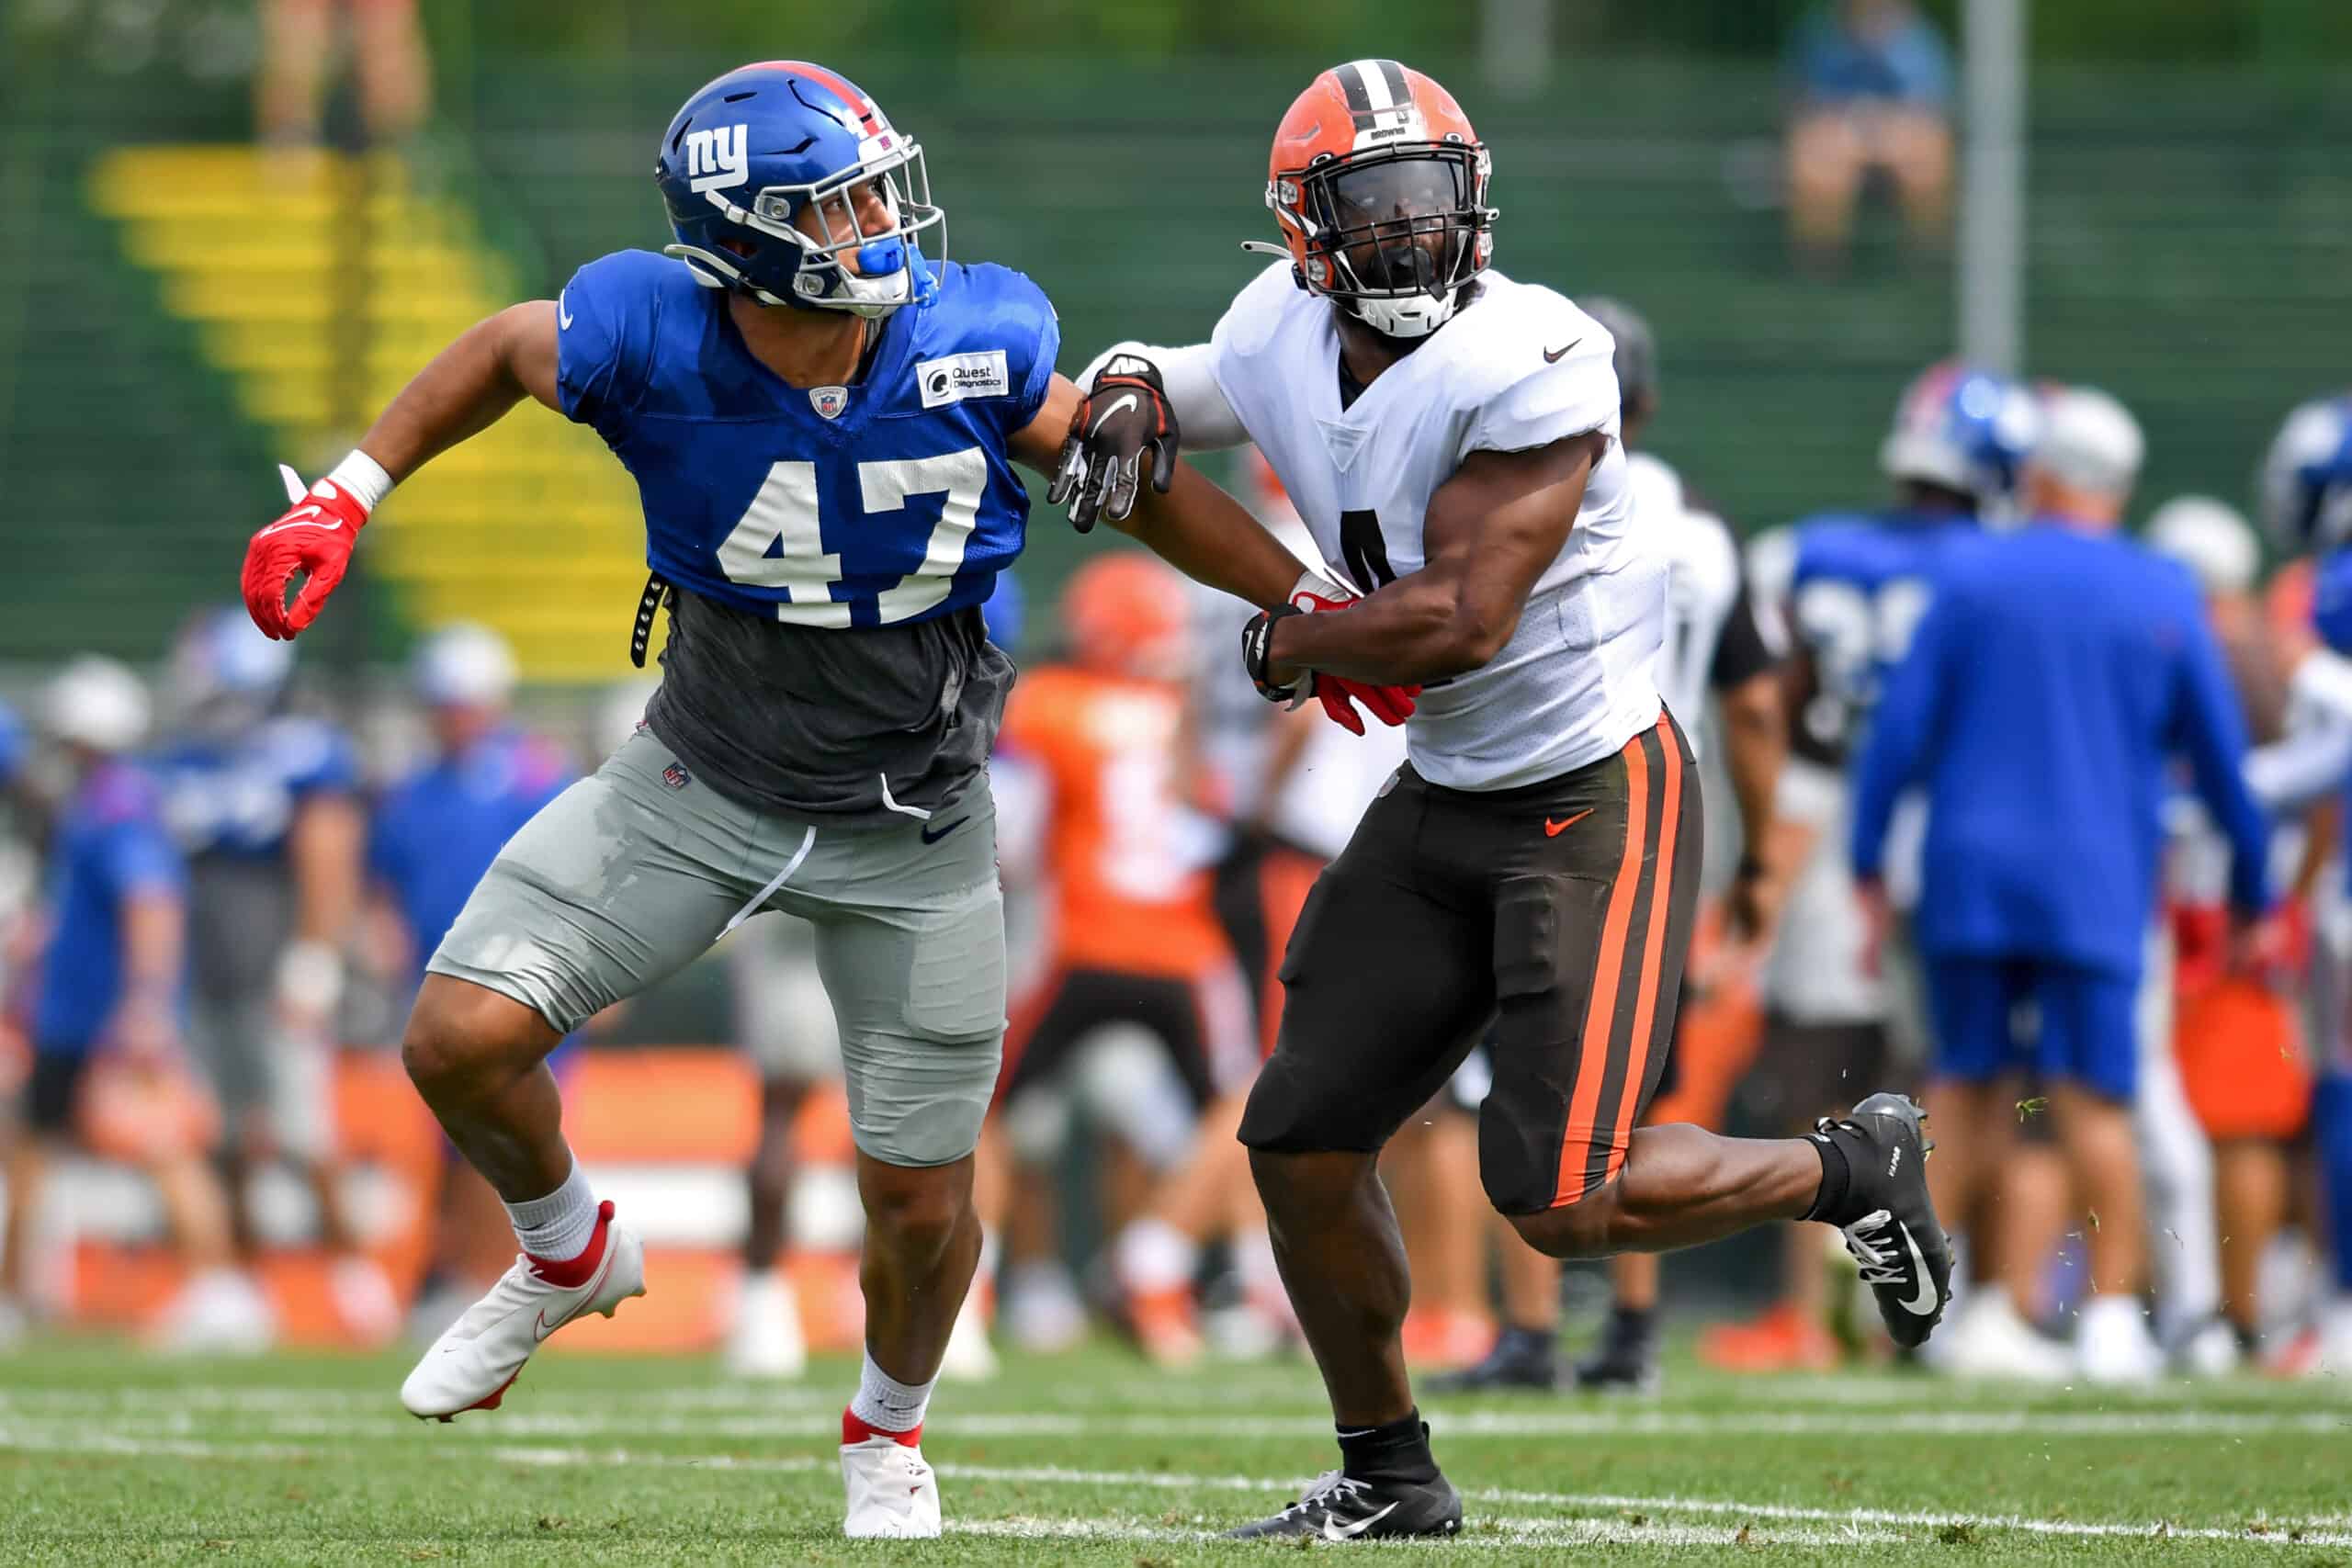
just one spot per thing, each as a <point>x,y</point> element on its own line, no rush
<point>479,1357</point>
<point>892,1492</point>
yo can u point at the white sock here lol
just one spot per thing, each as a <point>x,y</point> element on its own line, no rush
<point>887,1405</point>
<point>557,1227</point>
<point>1156,1256</point>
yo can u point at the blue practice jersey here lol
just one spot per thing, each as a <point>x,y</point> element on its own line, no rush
<point>1857,588</point>
<point>889,499</point>
<point>237,796</point>
<point>2050,685</point>
<point>436,832</point>
<point>827,547</point>
<point>110,848</point>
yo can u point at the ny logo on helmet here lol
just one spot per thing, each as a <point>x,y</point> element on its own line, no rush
<point>716,159</point>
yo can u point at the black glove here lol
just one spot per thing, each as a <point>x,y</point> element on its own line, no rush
<point>1257,649</point>
<point>1126,414</point>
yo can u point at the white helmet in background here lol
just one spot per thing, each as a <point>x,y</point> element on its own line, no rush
<point>2089,441</point>
<point>2210,537</point>
<point>463,665</point>
<point>97,703</point>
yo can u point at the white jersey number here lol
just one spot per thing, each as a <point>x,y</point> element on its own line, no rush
<point>779,540</point>
<point>1855,638</point>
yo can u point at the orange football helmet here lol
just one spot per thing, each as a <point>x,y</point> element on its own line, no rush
<point>1123,613</point>
<point>1379,186</point>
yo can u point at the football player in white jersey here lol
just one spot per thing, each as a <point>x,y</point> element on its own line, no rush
<point>1717,646</point>
<point>1451,438</point>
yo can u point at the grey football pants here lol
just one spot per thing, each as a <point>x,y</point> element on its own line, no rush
<point>632,873</point>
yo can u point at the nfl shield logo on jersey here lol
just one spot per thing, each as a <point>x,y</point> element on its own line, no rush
<point>829,402</point>
<point>676,776</point>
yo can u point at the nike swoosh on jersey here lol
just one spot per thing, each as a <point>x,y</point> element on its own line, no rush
<point>1120,405</point>
<point>1334,1530</point>
<point>1554,355</point>
<point>930,838</point>
<point>1554,829</point>
<point>562,315</point>
<point>1924,1303</point>
<point>300,522</point>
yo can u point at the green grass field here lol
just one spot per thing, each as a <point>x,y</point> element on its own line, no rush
<point>111,1457</point>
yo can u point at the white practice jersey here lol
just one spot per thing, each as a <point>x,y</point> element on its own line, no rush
<point>1702,585</point>
<point>1520,367</point>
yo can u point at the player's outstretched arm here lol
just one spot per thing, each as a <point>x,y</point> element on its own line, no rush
<point>1188,522</point>
<point>1490,531</point>
<point>464,391</point>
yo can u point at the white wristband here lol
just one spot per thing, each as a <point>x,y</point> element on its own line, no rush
<point>364,478</point>
<point>310,975</point>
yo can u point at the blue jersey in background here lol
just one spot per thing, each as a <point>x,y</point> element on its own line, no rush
<point>237,796</point>
<point>436,832</point>
<point>1856,586</point>
<point>2052,682</point>
<point>110,847</point>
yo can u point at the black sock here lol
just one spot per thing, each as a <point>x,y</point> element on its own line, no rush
<point>1836,1176</point>
<point>1633,1323</point>
<point>1396,1451</point>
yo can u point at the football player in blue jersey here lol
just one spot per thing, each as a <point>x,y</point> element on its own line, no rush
<point>110,983</point>
<point>265,805</point>
<point>1852,585</point>
<point>822,421</point>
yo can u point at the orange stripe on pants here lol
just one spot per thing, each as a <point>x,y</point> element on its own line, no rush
<point>1637,1061</point>
<point>1600,1010</point>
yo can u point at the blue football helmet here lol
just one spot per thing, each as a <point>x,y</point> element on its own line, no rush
<point>225,675</point>
<point>1964,430</point>
<point>757,149</point>
<point>2307,479</point>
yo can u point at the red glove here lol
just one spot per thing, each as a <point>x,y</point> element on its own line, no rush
<point>315,535</point>
<point>1392,705</point>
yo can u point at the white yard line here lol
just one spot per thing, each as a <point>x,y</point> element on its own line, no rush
<point>282,1414</point>
<point>1509,1535</point>
<point>1850,1522</point>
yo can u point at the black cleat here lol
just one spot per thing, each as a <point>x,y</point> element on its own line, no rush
<point>1889,1225</point>
<point>1521,1359</point>
<point>1626,1362</point>
<point>1341,1507</point>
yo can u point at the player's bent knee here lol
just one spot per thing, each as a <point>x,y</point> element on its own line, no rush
<point>914,1212</point>
<point>458,1030</point>
<point>1589,1227</point>
<point>1287,1113</point>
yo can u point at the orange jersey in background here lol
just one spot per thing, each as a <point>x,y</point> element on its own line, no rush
<point>1131,893</point>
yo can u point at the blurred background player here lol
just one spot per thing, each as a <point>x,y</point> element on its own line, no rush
<point>2307,511</point>
<point>264,803</point>
<point>434,832</point>
<point>2057,672</point>
<point>1718,648</point>
<point>1286,789</point>
<point>2226,1078</point>
<point>1144,1015</point>
<point>1839,1008</point>
<point>110,987</point>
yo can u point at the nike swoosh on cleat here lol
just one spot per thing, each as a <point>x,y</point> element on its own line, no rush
<point>1334,1530</point>
<point>1124,401</point>
<point>1924,1303</point>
